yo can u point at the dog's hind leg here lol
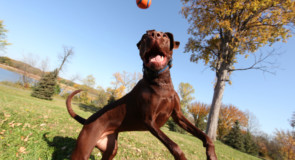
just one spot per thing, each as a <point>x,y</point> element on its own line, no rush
<point>108,145</point>
<point>84,145</point>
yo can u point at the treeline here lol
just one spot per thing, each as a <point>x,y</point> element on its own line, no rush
<point>236,128</point>
<point>96,96</point>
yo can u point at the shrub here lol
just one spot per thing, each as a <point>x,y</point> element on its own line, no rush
<point>46,86</point>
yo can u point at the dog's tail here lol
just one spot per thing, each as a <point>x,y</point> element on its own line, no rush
<point>70,110</point>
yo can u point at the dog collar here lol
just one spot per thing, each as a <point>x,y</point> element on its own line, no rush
<point>153,73</point>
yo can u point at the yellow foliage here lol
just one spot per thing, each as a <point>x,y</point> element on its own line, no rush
<point>119,92</point>
<point>242,26</point>
<point>199,109</point>
<point>287,144</point>
<point>228,115</point>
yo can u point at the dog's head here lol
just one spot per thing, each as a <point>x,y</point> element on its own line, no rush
<point>156,49</point>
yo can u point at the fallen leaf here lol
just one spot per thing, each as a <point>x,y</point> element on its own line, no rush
<point>12,124</point>
<point>2,132</point>
<point>18,124</point>
<point>27,138</point>
<point>22,150</point>
<point>7,115</point>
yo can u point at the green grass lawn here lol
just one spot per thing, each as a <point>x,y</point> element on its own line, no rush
<point>33,129</point>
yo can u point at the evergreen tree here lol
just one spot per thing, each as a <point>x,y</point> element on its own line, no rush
<point>250,146</point>
<point>235,138</point>
<point>46,86</point>
<point>174,127</point>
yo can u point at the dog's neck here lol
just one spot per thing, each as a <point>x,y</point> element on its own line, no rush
<point>161,77</point>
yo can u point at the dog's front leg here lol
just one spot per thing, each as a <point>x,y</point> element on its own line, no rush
<point>189,127</point>
<point>179,119</point>
<point>172,147</point>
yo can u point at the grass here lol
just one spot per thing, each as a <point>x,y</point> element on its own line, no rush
<point>35,129</point>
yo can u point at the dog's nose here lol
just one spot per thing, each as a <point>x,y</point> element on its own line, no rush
<point>156,34</point>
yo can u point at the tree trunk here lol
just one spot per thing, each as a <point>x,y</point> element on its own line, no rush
<point>211,130</point>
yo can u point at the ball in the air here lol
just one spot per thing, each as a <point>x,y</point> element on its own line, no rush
<point>143,4</point>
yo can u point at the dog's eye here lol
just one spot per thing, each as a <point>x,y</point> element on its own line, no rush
<point>164,35</point>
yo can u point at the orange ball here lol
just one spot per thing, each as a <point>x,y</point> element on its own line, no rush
<point>143,4</point>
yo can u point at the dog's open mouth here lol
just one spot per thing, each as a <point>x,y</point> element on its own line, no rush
<point>155,60</point>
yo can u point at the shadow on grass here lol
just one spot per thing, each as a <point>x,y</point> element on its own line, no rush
<point>88,108</point>
<point>63,147</point>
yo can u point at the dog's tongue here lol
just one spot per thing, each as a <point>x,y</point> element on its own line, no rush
<point>157,58</point>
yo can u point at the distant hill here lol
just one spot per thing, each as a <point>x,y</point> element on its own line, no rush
<point>20,65</point>
<point>35,73</point>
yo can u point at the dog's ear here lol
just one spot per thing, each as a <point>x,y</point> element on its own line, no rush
<point>176,44</point>
<point>173,44</point>
<point>138,44</point>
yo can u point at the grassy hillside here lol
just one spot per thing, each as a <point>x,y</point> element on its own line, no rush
<point>33,129</point>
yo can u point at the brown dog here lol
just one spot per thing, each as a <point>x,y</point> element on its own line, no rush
<point>146,108</point>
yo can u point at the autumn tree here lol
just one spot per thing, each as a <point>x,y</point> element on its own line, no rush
<point>223,31</point>
<point>89,81</point>
<point>286,140</point>
<point>199,111</point>
<point>228,115</point>
<point>102,97</point>
<point>185,91</point>
<point>124,82</point>
<point>3,31</point>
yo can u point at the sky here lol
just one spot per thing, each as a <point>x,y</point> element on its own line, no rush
<point>104,36</point>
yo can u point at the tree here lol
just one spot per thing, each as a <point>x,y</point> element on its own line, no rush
<point>235,138</point>
<point>64,57</point>
<point>112,95</point>
<point>125,81</point>
<point>286,140</point>
<point>46,86</point>
<point>228,116</point>
<point>102,97</point>
<point>185,91</point>
<point>57,89</point>
<point>224,30</point>
<point>5,60</point>
<point>44,65</point>
<point>199,111</point>
<point>250,146</point>
<point>29,62</point>
<point>292,121</point>
<point>89,81</point>
<point>3,31</point>
<point>253,123</point>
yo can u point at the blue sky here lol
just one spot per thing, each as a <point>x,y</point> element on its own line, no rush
<point>104,36</point>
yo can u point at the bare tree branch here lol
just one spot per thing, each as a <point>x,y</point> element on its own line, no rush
<point>262,63</point>
<point>64,57</point>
